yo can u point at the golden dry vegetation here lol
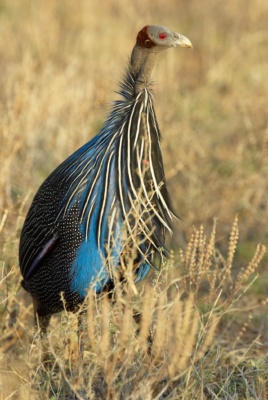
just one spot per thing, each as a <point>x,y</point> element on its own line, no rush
<point>200,326</point>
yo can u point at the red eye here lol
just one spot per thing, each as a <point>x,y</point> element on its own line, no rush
<point>162,36</point>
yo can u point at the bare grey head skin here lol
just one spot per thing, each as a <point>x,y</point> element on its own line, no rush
<point>150,41</point>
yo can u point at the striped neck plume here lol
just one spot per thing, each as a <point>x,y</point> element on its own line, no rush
<point>119,177</point>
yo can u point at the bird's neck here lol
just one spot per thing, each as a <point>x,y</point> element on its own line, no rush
<point>141,65</point>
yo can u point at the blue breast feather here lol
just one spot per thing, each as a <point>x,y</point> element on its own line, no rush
<point>92,173</point>
<point>103,238</point>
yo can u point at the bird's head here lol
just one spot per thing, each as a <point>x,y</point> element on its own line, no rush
<point>159,38</point>
<point>150,41</point>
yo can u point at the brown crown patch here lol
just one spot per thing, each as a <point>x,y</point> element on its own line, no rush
<point>143,38</point>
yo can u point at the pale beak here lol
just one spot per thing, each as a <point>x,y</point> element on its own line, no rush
<point>182,41</point>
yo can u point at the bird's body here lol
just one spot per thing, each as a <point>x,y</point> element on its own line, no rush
<point>105,204</point>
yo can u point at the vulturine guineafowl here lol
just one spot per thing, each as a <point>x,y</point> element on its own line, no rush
<point>107,202</point>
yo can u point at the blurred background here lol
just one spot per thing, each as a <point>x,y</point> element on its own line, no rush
<point>60,62</point>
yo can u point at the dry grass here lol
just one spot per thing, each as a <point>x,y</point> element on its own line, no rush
<point>200,326</point>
